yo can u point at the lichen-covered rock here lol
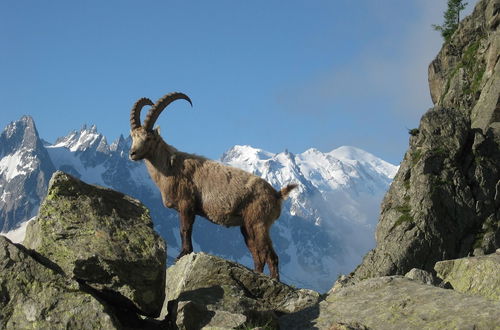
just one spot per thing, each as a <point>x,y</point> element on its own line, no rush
<point>33,296</point>
<point>474,275</point>
<point>466,63</point>
<point>444,202</point>
<point>207,291</point>
<point>396,302</point>
<point>103,238</point>
<point>422,276</point>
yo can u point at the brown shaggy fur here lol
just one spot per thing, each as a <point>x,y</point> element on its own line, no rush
<point>228,196</point>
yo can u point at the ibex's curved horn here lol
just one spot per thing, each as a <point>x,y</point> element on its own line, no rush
<point>162,104</point>
<point>135,114</point>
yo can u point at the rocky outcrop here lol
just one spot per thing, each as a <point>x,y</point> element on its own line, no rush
<point>476,275</point>
<point>423,277</point>
<point>33,296</point>
<point>396,302</point>
<point>444,203</point>
<point>104,239</point>
<point>207,291</point>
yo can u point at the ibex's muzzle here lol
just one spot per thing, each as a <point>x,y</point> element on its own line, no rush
<point>133,155</point>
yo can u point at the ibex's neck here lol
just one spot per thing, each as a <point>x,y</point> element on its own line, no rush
<point>160,158</point>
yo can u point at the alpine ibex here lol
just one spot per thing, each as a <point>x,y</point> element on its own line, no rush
<point>194,185</point>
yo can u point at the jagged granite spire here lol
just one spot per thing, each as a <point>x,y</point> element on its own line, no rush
<point>25,169</point>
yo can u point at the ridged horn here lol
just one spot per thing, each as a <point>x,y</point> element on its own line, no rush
<point>135,113</point>
<point>161,104</point>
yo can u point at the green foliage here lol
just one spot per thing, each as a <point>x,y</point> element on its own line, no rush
<point>406,216</point>
<point>406,184</point>
<point>403,218</point>
<point>415,156</point>
<point>473,68</point>
<point>451,19</point>
<point>413,131</point>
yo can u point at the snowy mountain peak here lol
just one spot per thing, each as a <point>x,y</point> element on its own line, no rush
<point>355,155</point>
<point>84,139</point>
<point>20,133</point>
<point>121,145</point>
<point>345,167</point>
<point>245,152</point>
<point>24,163</point>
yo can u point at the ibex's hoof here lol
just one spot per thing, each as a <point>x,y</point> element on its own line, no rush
<point>182,254</point>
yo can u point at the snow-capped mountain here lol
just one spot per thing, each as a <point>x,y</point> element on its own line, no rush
<point>25,169</point>
<point>326,225</point>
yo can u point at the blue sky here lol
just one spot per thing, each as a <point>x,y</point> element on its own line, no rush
<point>272,74</point>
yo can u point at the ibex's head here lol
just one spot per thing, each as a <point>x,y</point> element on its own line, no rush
<point>143,135</point>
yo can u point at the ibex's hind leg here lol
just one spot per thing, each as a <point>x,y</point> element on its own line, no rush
<point>271,257</point>
<point>273,264</point>
<point>250,234</point>
<point>186,223</point>
<point>249,241</point>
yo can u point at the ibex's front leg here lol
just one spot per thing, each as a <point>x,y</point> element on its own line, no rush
<point>187,217</point>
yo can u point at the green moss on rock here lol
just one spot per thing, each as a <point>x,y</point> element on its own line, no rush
<point>35,297</point>
<point>103,238</point>
<point>474,275</point>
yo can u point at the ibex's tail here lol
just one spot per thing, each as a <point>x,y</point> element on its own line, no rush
<point>283,193</point>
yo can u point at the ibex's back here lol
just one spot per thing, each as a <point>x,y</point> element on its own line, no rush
<point>194,185</point>
<point>227,192</point>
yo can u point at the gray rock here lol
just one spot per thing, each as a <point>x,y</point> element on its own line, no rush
<point>396,302</point>
<point>104,239</point>
<point>475,275</point>
<point>33,296</point>
<point>444,201</point>
<point>422,276</point>
<point>207,291</point>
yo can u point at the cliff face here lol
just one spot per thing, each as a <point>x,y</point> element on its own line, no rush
<point>444,202</point>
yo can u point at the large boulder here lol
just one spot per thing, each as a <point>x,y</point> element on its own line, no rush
<point>475,275</point>
<point>396,302</point>
<point>207,291</point>
<point>103,239</point>
<point>33,296</point>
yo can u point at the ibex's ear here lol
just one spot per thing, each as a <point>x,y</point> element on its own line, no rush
<point>157,129</point>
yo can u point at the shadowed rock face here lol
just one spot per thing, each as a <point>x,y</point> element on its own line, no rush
<point>35,297</point>
<point>444,203</point>
<point>103,239</point>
